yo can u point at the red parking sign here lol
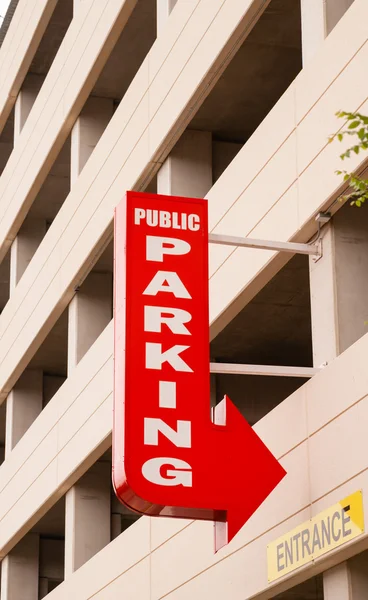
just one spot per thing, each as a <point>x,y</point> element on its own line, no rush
<point>169,458</point>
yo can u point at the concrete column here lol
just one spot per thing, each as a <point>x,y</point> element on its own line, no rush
<point>51,564</point>
<point>32,231</point>
<point>164,8</point>
<point>339,285</point>
<point>87,131</point>
<point>188,169</point>
<point>359,576</point>
<point>43,586</point>
<point>23,405</point>
<point>88,502</point>
<point>319,17</point>
<point>91,308</point>
<point>222,155</point>
<point>121,517</point>
<point>336,583</point>
<point>347,581</point>
<point>335,9</point>
<point>51,384</point>
<point>313,27</point>
<point>116,528</point>
<point>25,100</point>
<point>24,247</point>
<point>90,311</point>
<point>19,570</point>
<point>87,517</point>
<point>323,301</point>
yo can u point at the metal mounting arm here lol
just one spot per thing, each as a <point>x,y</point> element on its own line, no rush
<point>230,240</point>
<point>265,370</point>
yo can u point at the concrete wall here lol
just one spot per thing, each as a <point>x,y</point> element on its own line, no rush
<point>325,435</point>
<point>133,145</point>
<point>136,141</point>
<point>67,86</point>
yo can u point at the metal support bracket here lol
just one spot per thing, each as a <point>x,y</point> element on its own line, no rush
<point>293,248</point>
<point>314,250</point>
<point>263,370</point>
<point>318,256</point>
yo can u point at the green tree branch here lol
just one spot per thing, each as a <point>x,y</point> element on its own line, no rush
<point>356,126</point>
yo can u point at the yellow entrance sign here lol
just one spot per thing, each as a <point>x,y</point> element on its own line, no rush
<point>329,529</point>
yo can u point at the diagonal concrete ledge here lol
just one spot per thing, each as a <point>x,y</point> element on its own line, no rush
<point>151,116</point>
<point>20,44</point>
<point>82,55</point>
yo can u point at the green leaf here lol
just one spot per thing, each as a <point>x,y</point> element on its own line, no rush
<point>354,124</point>
<point>358,203</point>
<point>340,137</point>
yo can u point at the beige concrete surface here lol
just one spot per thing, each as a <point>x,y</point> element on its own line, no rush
<point>323,447</point>
<point>283,181</point>
<point>136,141</point>
<point>223,264</point>
<point>82,55</point>
<point>61,444</point>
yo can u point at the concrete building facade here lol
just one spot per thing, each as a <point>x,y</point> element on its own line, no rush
<point>229,100</point>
